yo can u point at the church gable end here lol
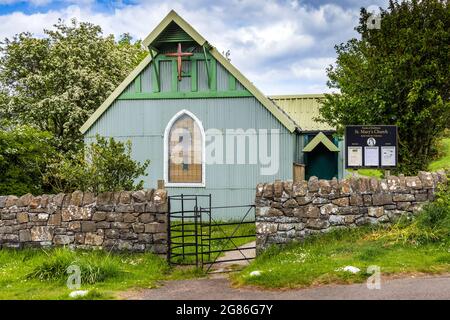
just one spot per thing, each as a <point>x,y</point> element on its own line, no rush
<point>182,64</point>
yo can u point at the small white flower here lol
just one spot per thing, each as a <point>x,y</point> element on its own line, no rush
<point>78,293</point>
<point>351,269</point>
<point>255,273</point>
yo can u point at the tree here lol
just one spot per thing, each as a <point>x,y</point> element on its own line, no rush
<point>399,75</point>
<point>104,165</point>
<point>4,99</point>
<point>24,154</point>
<point>56,82</point>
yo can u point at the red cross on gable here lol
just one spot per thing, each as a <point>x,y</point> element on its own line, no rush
<point>179,54</point>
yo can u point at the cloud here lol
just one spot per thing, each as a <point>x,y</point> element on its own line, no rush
<point>283,47</point>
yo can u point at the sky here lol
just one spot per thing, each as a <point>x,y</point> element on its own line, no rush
<point>283,47</point>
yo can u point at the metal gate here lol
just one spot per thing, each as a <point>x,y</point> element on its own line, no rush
<point>197,237</point>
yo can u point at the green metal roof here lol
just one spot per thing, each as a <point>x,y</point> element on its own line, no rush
<point>320,138</point>
<point>303,109</point>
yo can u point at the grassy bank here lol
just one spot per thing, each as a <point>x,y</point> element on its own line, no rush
<point>41,274</point>
<point>443,161</point>
<point>421,245</point>
<point>318,261</point>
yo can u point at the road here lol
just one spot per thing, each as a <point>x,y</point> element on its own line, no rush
<point>214,288</point>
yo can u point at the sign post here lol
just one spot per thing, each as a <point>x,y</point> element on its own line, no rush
<point>373,147</point>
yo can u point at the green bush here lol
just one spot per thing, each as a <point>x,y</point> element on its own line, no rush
<point>24,155</point>
<point>436,215</point>
<point>104,165</point>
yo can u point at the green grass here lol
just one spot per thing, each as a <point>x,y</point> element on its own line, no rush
<point>420,245</point>
<point>39,274</point>
<point>42,274</point>
<point>443,162</point>
<point>245,231</point>
<point>318,260</point>
<point>369,173</point>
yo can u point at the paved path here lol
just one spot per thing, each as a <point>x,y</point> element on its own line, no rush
<point>246,251</point>
<point>437,287</point>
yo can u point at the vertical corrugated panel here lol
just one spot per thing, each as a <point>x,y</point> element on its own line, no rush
<point>299,149</point>
<point>185,83</point>
<point>146,79</point>
<point>222,78</point>
<point>239,86</point>
<point>202,76</point>
<point>165,74</point>
<point>131,88</point>
<point>144,121</point>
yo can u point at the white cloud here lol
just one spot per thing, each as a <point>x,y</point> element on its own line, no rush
<point>311,69</point>
<point>281,47</point>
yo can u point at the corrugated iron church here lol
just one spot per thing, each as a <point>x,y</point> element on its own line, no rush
<point>186,93</point>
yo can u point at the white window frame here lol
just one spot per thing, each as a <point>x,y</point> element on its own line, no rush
<point>166,152</point>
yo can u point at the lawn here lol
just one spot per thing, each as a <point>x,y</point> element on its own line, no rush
<point>41,274</point>
<point>443,162</point>
<point>220,233</point>
<point>368,172</point>
<point>318,261</point>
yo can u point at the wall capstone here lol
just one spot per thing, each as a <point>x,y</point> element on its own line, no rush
<point>287,211</point>
<point>132,221</point>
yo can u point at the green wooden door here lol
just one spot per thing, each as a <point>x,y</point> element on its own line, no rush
<point>321,163</point>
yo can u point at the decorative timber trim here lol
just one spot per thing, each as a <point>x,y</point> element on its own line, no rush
<point>184,95</point>
<point>320,137</point>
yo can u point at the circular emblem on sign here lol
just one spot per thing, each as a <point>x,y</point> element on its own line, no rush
<point>371,142</point>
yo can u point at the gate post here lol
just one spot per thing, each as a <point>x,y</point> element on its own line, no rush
<point>196,231</point>
<point>168,231</point>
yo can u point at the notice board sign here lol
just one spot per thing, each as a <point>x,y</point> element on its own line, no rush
<point>371,147</point>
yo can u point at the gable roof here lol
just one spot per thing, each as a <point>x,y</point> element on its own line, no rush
<point>304,109</point>
<point>173,17</point>
<point>320,137</point>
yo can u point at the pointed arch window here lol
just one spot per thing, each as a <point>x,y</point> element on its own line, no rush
<point>184,151</point>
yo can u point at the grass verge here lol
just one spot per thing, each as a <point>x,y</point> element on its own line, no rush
<point>421,245</point>
<point>41,274</point>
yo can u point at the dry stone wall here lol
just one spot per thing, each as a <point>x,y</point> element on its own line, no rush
<point>287,211</point>
<point>131,221</point>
